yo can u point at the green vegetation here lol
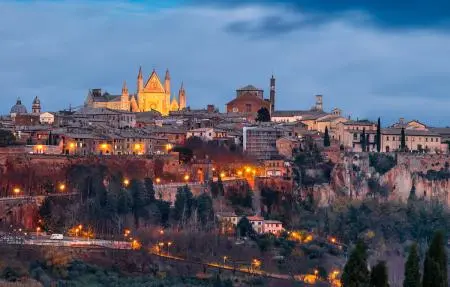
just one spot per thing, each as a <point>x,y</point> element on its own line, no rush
<point>355,272</point>
<point>379,275</point>
<point>412,268</point>
<point>403,146</point>
<point>326,138</point>
<point>7,138</point>
<point>435,265</point>
<point>263,115</point>
<point>378,136</point>
<point>381,162</point>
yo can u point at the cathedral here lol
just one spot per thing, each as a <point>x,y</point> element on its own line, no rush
<point>151,96</point>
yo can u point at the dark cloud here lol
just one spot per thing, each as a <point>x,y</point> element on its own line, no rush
<point>391,14</point>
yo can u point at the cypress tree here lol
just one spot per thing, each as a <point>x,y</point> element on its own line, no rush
<point>412,192</point>
<point>412,272</point>
<point>362,140</point>
<point>435,265</point>
<point>379,275</point>
<point>326,138</point>
<point>355,272</point>
<point>402,140</point>
<point>379,135</point>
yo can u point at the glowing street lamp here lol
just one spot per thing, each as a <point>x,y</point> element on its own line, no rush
<point>168,246</point>
<point>239,172</point>
<point>62,187</point>
<point>169,147</point>
<point>158,180</point>
<point>104,146</point>
<point>222,175</point>
<point>224,260</point>
<point>72,145</point>
<point>186,177</point>
<point>248,169</point>
<point>126,182</point>
<point>37,231</point>
<point>16,190</point>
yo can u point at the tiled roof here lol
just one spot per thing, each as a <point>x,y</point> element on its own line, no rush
<point>393,131</point>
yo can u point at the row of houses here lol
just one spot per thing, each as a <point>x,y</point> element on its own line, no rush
<point>259,224</point>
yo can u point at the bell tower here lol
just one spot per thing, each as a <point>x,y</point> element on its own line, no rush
<point>182,97</point>
<point>272,94</point>
<point>36,106</point>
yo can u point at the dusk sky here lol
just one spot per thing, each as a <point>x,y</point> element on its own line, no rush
<point>370,58</point>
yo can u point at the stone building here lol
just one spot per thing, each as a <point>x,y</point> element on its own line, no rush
<point>250,99</point>
<point>153,95</point>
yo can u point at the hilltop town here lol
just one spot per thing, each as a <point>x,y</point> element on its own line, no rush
<point>282,195</point>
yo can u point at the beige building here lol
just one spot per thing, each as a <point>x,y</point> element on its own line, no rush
<point>349,134</point>
<point>207,134</point>
<point>153,95</point>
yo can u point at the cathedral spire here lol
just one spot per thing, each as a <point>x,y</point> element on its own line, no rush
<point>140,80</point>
<point>167,83</point>
<point>182,97</point>
<point>167,75</point>
<point>124,87</point>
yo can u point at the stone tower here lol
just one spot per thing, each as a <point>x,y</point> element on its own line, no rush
<point>36,107</point>
<point>319,104</point>
<point>272,94</point>
<point>182,97</point>
<point>125,98</point>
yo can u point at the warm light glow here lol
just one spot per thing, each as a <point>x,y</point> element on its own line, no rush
<point>16,190</point>
<point>126,182</point>
<point>161,232</point>
<point>333,240</point>
<point>169,146</point>
<point>104,146</point>
<point>38,229</point>
<point>213,169</point>
<point>161,244</point>
<point>72,145</point>
<point>62,187</point>
<point>256,262</point>
<point>222,174</point>
<point>186,177</point>
<point>239,172</point>
<point>137,146</point>
<point>158,180</point>
<point>39,147</point>
<point>169,243</point>
<point>80,226</point>
<point>248,169</point>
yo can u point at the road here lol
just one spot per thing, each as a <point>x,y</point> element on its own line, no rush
<point>67,242</point>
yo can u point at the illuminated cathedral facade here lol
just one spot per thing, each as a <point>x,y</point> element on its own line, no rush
<point>154,95</point>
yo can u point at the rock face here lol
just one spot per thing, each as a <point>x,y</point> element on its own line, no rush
<point>351,175</point>
<point>19,214</point>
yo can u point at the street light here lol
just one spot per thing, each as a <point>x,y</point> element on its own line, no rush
<point>62,187</point>
<point>161,246</point>
<point>126,182</point>
<point>16,190</point>
<point>186,177</point>
<point>158,180</point>
<point>224,260</point>
<point>37,232</point>
<point>168,246</point>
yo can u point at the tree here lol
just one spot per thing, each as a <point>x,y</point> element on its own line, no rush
<point>269,198</point>
<point>379,275</point>
<point>184,201</point>
<point>326,138</point>
<point>244,227</point>
<point>6,138</point>
<point>355,272</point>
<point>205,210</point>
<point>378,137</point>
<point>137,192</point>
<point>402,140</point>
<point>362,140</point>
<point>263,115</point>
<point>412,192</point>
<point>435,265</point>
<point>412,268</point>
<point>150,191</point>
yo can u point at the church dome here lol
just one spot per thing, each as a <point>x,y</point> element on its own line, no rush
<point>18,108</point>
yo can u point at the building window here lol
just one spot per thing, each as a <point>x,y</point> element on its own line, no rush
<point>248,108</point>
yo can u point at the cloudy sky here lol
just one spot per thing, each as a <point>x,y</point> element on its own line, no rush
<point>369,57</point>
